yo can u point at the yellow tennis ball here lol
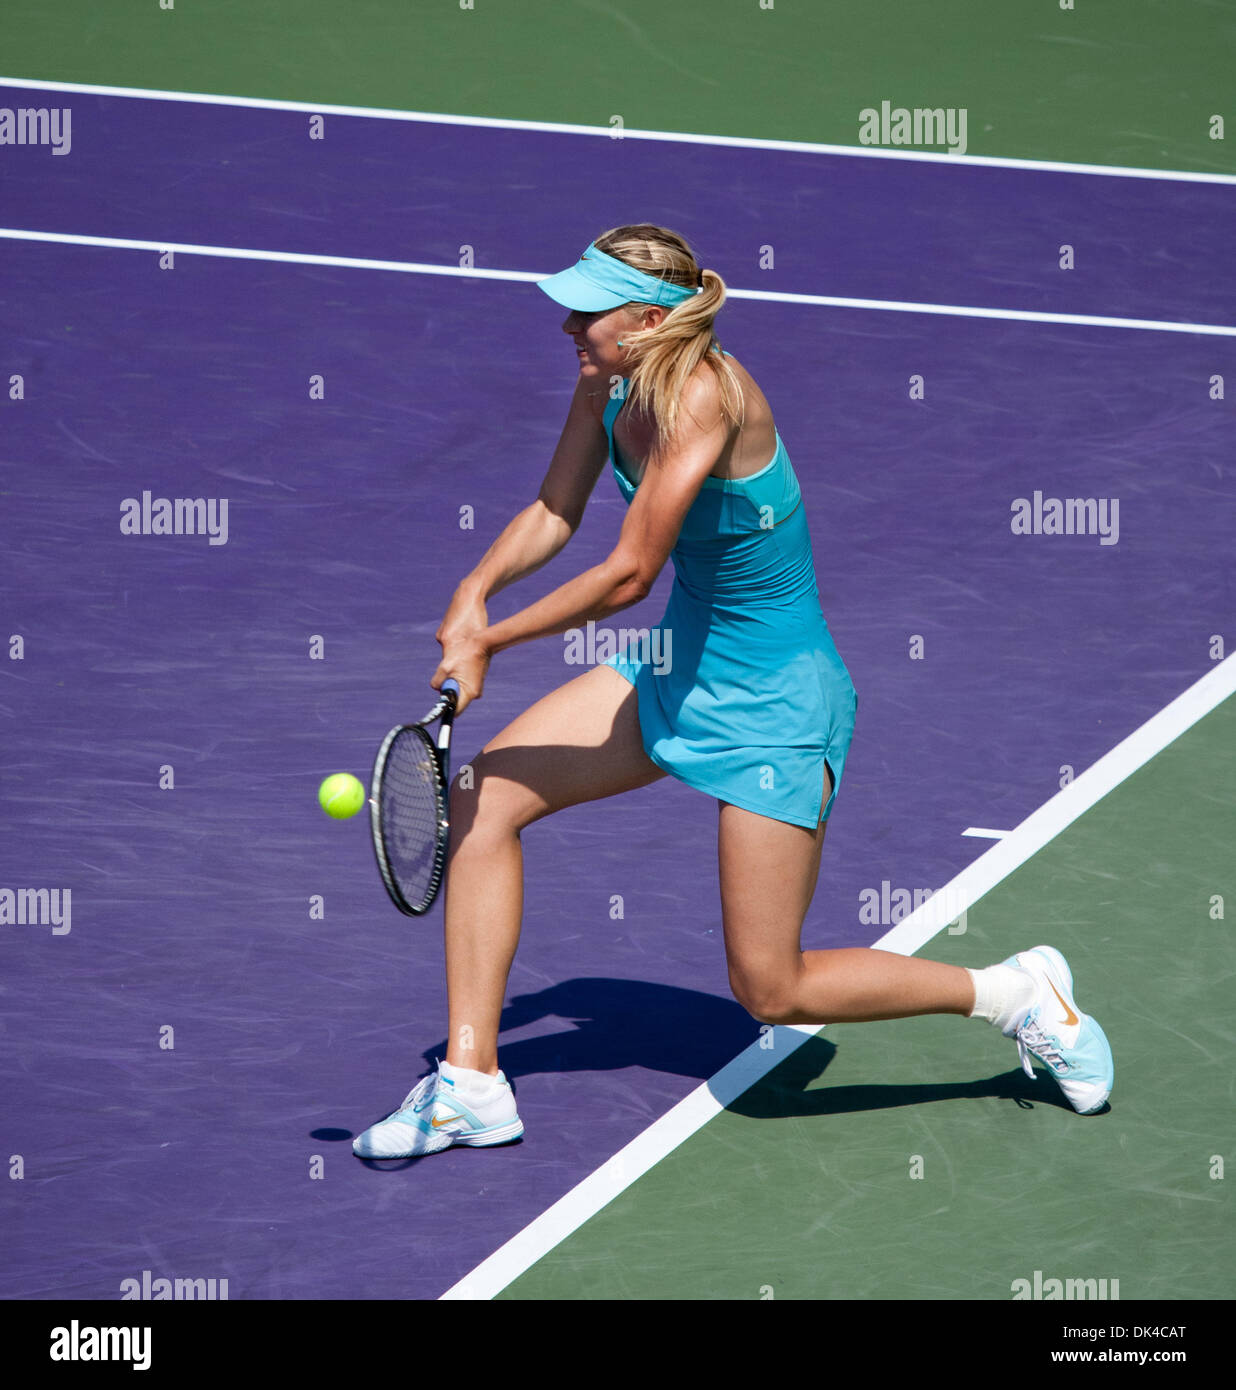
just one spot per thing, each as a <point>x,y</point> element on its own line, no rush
<point>341,796</point>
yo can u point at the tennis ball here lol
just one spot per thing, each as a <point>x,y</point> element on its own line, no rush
<point>341,796</point>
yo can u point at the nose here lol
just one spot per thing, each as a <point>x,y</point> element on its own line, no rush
<point>573,322</point>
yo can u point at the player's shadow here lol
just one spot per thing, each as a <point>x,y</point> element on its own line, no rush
<point>614,1024</point>
<point>783,1091</point>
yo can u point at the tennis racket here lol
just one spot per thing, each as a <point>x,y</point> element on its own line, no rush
<point>408,807</point>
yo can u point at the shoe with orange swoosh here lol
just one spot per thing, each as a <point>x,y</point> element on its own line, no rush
<point>434,1116</point>
<point>1069,1043</point>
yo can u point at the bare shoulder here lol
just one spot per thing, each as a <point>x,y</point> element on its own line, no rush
<point>747,446</point>
<point>702,396</point>
<point>753,398</point>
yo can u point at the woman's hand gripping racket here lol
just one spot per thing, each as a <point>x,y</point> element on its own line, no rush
<point>408,807</point>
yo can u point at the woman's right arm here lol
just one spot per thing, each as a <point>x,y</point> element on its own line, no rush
<point>536,534</point>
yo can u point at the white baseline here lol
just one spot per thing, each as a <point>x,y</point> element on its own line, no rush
<point>378,113</point>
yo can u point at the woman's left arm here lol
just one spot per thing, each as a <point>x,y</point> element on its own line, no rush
<point>670,484</point>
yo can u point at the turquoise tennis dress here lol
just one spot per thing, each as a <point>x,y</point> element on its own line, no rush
<point>744,696</point>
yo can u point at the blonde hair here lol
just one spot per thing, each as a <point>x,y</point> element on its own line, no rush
<point>663,358</point>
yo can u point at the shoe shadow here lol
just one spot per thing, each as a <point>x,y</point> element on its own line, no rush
<point>606,1025</point>
<point>783,1092</point>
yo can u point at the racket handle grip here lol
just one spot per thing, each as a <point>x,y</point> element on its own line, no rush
<point>449,684</point>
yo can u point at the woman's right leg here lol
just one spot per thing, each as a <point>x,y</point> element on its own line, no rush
<point>579,743</point>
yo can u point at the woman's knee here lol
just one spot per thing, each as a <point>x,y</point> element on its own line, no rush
<point>769,996</point>
<point>484,803</point>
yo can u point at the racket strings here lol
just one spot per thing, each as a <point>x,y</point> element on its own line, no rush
<point>411,807</point>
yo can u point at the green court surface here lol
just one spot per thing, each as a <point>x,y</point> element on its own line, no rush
<point>1136,83</point>
<point>803,1188</point>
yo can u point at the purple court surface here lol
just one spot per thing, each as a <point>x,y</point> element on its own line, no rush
<point>228,1154</point>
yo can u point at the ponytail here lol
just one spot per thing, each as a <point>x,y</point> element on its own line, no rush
<point>663,358</point>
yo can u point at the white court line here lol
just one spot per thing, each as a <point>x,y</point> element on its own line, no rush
<point>978,832</point>
<point>241,253</point>
<point>974,312</point>
<point>474,273</point>
<point>597,1190</point>
<point>1051,166</point>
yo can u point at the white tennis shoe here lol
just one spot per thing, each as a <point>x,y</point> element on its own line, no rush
<point>434,1116</point>
<point>1069,1043</point>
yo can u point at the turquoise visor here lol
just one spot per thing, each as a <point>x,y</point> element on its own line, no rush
<point>597,281</point>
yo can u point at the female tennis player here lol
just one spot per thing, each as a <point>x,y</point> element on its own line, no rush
<point>753,706</point>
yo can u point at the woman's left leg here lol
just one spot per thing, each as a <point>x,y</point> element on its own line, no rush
<point>768,872</point>
<point>768,877</point>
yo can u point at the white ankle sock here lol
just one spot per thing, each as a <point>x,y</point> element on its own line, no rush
<point>1003,995</point>
<point>467,1082</point>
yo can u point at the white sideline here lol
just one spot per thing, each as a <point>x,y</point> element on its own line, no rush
<point>477,273</point>
<point>597,1190</point>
